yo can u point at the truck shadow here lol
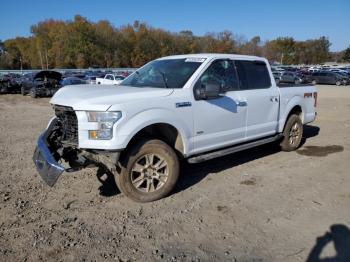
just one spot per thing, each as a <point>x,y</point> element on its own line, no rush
<point>191,174</point>
<point>108,185</point>
<point>339,235</point>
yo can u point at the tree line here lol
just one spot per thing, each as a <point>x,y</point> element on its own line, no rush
<point>80,43</point>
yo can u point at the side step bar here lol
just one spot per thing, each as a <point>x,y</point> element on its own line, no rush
<point>233,149</point>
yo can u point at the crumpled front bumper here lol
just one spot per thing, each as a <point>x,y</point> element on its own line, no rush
<point>46,165</point>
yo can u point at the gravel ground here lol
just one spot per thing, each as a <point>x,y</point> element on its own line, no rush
<point>257,205</point>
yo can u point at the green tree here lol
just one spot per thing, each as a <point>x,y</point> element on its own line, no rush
<point>346,56</point>
<point>252,47</point>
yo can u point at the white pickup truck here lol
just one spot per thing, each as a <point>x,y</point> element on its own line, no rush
<point>110,79</point>
<point>194,107</point>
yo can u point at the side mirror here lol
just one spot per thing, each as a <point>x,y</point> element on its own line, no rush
<point>207,91</point>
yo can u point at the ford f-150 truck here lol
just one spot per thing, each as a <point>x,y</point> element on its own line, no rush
<point>193,107</point>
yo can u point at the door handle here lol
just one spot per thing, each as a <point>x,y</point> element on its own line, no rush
<point>274,99</point>
<point>241,103</point>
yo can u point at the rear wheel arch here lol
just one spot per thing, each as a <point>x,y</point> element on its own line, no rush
<point>294,110</point>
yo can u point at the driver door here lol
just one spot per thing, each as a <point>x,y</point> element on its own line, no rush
<point>220,121</point>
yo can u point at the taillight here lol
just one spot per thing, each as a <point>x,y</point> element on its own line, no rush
<point>315,99</point>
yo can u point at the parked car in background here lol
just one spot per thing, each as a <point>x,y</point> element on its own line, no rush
<point>305,76</point>
<point>43,83</point>
<point>337,70</point>
<point>90,79</point>
<point>346,77</point>
<point>10,84</point>
<point>347,69</point>
<point>3,84</point>
<point>277,76</point>
<point>328,77</point>
<point>72,81</point>
<point>290,77</point>
<point>314,69</point>
<point>110,79</point>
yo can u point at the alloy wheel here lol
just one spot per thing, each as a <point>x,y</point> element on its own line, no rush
<point>149,173</point>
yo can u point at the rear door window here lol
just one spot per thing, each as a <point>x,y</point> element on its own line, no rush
<point>253,74</point>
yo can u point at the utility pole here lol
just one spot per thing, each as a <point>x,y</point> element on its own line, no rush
<point>47,61</point>
<point>20,60</point>
<point>282,59</point>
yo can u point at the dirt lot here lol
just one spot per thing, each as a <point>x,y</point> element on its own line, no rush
<point>257,205</point>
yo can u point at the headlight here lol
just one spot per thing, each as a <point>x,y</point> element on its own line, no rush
<point>105,122</point>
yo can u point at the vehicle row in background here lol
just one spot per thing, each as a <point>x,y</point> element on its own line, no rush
<point>302,76</point>
<point>47,82</point>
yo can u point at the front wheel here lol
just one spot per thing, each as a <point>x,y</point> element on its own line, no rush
<point>292,134</point>
<point>149,171</point>
<point>338,83</point>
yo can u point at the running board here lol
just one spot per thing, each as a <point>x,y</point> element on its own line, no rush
<point>233,149</point>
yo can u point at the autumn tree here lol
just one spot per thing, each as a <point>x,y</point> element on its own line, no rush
<point>80,43</point>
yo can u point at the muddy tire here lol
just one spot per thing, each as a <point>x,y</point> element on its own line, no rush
<point>149,171</point>
<point>292,134</point>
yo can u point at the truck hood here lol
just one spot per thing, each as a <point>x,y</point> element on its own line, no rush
<point>102,97</point>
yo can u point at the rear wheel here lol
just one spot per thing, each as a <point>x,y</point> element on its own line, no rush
<point>292,133</point>
<point>314,82</point>
<point>338,83</point>
<point>23,91</point>
<point>149,171</point>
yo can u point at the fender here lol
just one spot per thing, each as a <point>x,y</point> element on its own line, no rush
<point>287,107</point>
<point>137,122</point>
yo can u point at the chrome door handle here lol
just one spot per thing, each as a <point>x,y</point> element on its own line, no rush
<point>241,103</point>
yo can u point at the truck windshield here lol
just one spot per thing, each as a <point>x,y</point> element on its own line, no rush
<point>170,73</point>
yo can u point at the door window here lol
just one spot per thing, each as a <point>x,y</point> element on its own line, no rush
<point>222,72</point>
<point>253,74</point>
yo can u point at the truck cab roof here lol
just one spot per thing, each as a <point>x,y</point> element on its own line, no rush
<point>213,56</point>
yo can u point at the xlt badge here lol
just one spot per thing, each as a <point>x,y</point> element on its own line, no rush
<point>183,104</point>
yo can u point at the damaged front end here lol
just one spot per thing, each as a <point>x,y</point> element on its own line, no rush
<point>46,158</point>
<point>58,144</point>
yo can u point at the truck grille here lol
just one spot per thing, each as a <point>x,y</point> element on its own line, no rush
<point>68,120</point>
